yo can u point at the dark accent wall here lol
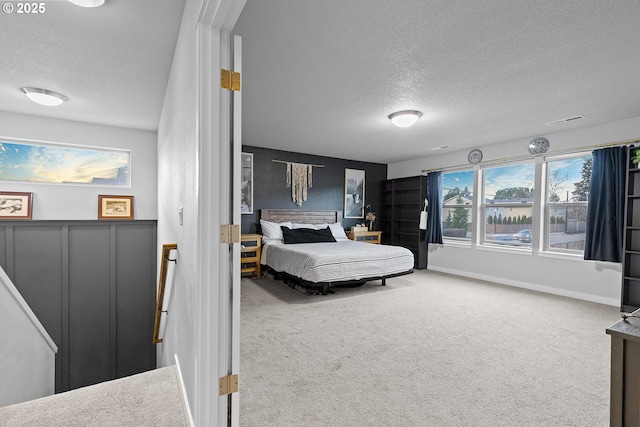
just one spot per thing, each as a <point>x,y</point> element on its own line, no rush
<point>92,286</point>
<point>327,192</point>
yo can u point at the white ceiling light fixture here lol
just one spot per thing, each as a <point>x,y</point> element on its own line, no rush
<point>405,118</point>
<point>87,3</point>
<point>44,97</point>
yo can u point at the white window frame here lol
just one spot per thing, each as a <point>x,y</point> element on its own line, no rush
<point>470,207</point>
<point>483,206</point>
<point>549,205</point>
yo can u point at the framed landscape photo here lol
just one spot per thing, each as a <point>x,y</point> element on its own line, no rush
<point>15,205</point>
<point>115,207</point>
<point>353,193</point>
<point>246,194</point>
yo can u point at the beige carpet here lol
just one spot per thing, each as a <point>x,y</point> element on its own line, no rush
<point>428,349</point>
<point>150,399</point>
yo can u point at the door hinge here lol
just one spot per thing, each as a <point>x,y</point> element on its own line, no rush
<point>229,233</point>
<point>230,80</point>
<point>228,385</point>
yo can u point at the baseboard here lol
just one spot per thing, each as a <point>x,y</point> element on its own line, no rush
<point>184,391</point>
<point>531,286</point>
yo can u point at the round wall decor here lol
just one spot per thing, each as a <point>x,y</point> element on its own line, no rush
<point>538,145</point>
<point>475,156</point>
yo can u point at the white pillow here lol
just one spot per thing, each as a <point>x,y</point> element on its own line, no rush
<point>338,231</point>
<point>271,231</point>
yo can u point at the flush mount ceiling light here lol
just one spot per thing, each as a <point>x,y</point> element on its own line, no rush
<point>88,3</point>
<point>405,118</point>
<point>44,97</point>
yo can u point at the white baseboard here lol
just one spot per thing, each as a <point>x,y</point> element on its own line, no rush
<point>531,286</point>
<point>184,392</point>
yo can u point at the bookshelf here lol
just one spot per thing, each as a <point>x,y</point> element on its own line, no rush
<point>401,201</point>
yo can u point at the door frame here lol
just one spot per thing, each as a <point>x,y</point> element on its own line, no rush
<point>215,320</point>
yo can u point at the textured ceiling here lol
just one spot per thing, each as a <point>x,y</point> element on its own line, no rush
<point>322,76</point>
<point>112,62</point>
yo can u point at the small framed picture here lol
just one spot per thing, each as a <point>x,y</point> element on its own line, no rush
<point>14,205</point>
<point>115,207</point>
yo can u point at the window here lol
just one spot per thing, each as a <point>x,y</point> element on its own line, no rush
<point>63,164</point>
<point>457,202</point>
<point>567,195</point>
<point>508,205</point>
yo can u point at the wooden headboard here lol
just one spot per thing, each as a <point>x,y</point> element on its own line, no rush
<point>300,216</point>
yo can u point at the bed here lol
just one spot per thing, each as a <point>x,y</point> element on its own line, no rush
<point>332,260</point>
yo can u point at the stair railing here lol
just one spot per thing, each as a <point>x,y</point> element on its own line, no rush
<point>164,267</point>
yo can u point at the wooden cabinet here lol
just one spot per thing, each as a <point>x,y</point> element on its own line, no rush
<point>630,295</point>
<point>374,237</point>
<point>401,201</point>
<point>250,254</point>
<point>625,371</point>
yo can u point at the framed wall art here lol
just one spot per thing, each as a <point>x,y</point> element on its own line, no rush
<point>15,205</point>
<point>246,193</point>
<point>115,207</point>
<point>353,193</point>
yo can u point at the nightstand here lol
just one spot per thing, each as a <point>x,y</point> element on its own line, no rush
<point>250,254</point>
<point>374,237</point>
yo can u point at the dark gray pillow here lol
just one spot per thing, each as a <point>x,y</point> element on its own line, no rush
<point>307,235</point>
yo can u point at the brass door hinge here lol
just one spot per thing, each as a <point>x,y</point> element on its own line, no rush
<point>228,385</point>
<point>230,80</point>
<point>229,233</point>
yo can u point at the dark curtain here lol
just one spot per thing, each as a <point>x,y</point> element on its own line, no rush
<point>605,214</point>
<point>434,216</point>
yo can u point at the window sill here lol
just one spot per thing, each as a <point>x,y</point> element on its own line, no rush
<point>506,250</point>
<point>457,243</point>
<point>563,255</point>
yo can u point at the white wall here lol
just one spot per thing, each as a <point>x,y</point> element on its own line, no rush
<point>193,165</point>
<point>27,352</point>
<point>178,188</point>
<point>570,276</point>
<point>77,202</point>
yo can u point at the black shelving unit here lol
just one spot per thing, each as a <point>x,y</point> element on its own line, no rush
<point>401,201</point>
<point>630,295</point>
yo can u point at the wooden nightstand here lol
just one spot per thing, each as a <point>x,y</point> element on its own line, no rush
<point>250,254</point>
<point>374,237</point>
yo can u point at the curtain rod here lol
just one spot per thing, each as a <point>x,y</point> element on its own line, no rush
<point>308,164</point>
<point>525,157</point>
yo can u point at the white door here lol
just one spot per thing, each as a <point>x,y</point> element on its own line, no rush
<point>230,205</point>
<point>236,144</point>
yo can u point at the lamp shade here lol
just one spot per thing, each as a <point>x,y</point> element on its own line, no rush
<point>44,97</point>
<point>405,118</point>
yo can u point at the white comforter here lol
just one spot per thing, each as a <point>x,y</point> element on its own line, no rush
<point>331,262</point>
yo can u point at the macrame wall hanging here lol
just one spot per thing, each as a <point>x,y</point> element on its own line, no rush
<point>300,179</point>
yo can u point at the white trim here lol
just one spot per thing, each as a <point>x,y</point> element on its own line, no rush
<point>236,276</point>
<point>505,249</point>
<point>183,391</point>
<point>531,286</point>
<point>459,243</point>
<point>20,301</point>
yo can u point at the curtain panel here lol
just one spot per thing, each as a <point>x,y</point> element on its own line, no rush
<point>434,215</point>
<point>605,214</point>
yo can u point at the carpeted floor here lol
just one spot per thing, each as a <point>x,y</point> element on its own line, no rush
<point>428,349</point>
<point>150,399</point>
